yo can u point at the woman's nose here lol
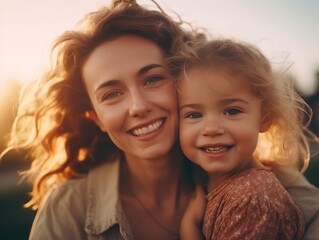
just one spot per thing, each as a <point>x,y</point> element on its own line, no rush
<point>140,105</point>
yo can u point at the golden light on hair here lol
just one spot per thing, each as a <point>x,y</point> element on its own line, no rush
<point>87,114</point>
<point>82,154</point>
<point>263,151</point>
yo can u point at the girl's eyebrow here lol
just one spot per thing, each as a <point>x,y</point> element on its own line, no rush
<point>231,100</point>
<point>142,71</point>
<point>223,101</point>
<point>190,105</point>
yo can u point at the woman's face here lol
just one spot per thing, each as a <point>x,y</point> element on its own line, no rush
<point>133,96</point>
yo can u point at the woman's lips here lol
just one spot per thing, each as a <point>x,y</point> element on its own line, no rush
<point>148,128</point>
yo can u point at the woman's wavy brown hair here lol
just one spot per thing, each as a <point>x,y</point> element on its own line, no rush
<point>51,122</point>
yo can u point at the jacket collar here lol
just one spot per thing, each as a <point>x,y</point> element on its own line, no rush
<point>104,207</point>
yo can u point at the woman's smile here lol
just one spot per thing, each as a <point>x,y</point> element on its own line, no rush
<point>134,97</point>
<point>146,129</point>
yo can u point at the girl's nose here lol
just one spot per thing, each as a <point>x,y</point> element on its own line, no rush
<point>139,105</point>
<point>213,128</point>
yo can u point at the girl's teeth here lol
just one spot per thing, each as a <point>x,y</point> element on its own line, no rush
<point>215,149</point>
<point>150,128</point>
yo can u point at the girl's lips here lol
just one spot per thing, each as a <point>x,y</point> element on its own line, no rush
<point>146,129</point>
<point>215,149</point>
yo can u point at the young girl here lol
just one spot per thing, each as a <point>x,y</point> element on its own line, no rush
<point>236,115</point>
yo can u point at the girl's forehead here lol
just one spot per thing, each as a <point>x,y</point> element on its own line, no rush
<point>216,73</point>
<point>215,79</point>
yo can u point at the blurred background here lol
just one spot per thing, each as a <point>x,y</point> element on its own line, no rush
<point>285,30</point>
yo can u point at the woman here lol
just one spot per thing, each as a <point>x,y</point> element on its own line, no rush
<point>104,122</point>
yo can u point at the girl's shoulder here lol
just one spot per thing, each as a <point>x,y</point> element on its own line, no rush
<point>257,183</point>
<point>253,203</point>
<point>258,187</point>
<point>248,182</point>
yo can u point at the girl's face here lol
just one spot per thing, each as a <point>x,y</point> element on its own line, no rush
<point>220,120</point>
<point>133,96</point>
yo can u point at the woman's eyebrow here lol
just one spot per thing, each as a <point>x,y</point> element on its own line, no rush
<point>106,84</point>
<point>114,82</point>
<point>149,67</point>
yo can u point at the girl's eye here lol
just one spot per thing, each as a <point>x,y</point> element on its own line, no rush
<point>232,111</point>
<point>153,79</point>
<point>110,95</point>
<point>194,115</point>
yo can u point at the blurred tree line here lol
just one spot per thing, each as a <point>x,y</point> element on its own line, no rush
<point>312,172</point>
<point>15,221</point>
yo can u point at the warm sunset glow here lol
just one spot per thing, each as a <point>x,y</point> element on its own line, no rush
<point>284,28</point>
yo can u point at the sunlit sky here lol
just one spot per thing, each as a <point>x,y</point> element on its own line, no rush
<point>280,28</point>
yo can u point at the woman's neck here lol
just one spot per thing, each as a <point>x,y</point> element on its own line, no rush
<point>154,177</point>
<point>155,191</point>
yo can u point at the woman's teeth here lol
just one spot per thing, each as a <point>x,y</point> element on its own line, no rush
<point>150,128</point>
<point>215,149</point>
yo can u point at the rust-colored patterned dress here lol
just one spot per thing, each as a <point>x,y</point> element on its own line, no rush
<point>252,205</point>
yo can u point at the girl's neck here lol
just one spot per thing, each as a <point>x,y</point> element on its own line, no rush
<point>214,180</point>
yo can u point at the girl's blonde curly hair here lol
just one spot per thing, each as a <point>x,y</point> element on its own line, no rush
<point>286,142</point>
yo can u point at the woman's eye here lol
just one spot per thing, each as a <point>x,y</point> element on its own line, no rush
<point>232,111</point>
<point>153,79</point>
<point>194,115</point>
<point>110,95</point>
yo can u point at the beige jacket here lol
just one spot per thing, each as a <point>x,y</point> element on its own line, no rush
<point>90,207</point>
<point>86,208</point>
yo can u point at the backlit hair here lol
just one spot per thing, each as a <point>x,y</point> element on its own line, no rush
<point>52,122</point>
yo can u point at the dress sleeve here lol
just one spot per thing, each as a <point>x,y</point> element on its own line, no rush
<point>60,216</point>
<point>251,217</point>
<point>305,195</point>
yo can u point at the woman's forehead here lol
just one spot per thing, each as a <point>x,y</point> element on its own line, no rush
<point>119,58</point>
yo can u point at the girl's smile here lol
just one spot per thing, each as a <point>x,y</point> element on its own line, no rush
<point>220,120</point>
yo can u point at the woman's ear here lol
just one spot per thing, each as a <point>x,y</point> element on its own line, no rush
<point>266,122</point>
<point>92,116</point>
